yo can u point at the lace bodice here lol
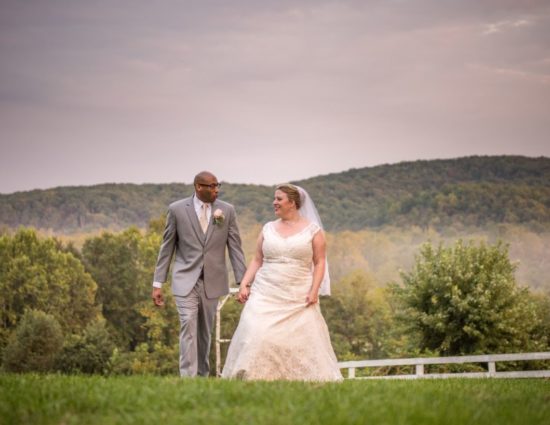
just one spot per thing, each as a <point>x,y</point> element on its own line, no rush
<point>296,249</point>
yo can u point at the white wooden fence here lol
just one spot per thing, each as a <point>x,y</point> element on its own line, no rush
<point>218,339</point>
<point>419,363</point>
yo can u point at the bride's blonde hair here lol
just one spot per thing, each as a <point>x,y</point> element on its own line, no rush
<point>292,192</point>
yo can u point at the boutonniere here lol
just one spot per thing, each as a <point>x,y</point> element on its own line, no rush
<point>218,216</point>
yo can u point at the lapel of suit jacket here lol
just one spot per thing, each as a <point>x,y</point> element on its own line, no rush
<point>190,209</point>
<point>211,223</point>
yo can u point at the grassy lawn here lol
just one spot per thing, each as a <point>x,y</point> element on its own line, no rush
<point>35,399</point>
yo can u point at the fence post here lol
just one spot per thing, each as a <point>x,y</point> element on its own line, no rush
<point>419,369</point>
<point>218,334</point>
<point>492,368</point>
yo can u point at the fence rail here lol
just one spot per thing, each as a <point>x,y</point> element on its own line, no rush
<point>420,362</point>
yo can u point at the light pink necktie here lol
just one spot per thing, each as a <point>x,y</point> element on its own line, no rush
<point>203,219</point>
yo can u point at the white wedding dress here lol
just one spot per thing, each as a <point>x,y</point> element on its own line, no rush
<point>278,337</point>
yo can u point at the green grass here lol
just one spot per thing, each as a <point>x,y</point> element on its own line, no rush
<point>50,399</point>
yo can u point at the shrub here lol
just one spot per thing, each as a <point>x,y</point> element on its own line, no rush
<point>35,343</point>
<point>87,353</point>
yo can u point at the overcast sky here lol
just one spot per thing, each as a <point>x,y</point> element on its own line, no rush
<point>262,91</point>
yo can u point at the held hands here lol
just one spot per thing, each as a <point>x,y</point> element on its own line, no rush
<point>244,292</point>
<point>158,299</point>
<point>312,297</point>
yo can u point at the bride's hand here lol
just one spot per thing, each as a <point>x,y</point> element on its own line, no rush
<point>312,298</point>
<point>244,292</point>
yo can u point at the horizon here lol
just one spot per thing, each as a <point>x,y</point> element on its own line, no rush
<point>273,184</point>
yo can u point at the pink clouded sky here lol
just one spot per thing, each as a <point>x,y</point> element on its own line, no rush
<point>264,91</point>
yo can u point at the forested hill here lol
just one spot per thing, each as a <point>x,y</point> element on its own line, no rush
<point>472,191</point>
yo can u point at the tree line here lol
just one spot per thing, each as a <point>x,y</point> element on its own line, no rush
<point>472,191</point>
<point>88,310</point>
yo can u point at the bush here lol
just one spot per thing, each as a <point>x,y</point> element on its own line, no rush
<point>465,300</point>
<point>160,359</point>
<point>35,343</point>
<point>87,353</point>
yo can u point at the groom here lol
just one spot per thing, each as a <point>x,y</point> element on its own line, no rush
<point>198,229</point>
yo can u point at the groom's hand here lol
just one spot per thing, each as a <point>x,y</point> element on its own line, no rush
<point>158,299</point>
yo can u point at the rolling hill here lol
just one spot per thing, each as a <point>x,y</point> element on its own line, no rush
<point>472,191</point>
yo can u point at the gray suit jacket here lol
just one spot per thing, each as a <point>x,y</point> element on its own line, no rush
<point>196,251</point>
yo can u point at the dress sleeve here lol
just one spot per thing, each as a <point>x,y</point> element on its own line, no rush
<point>314,228</point>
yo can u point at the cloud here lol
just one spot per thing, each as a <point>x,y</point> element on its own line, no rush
<point>499,27</point>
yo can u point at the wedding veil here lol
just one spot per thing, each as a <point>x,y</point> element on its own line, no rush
<point>309,211</point>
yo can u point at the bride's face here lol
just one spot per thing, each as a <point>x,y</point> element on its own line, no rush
<point>281,204</point>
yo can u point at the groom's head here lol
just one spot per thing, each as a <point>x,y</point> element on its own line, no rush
<point>206,186</point>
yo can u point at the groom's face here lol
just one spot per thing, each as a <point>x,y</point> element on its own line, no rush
<point>207,189</point>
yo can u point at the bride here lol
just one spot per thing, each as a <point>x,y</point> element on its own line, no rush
<point>281,332</point>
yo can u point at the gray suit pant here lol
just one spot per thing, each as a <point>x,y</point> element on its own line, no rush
<point>196,314</point>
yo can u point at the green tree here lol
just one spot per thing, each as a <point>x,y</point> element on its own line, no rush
<point>359,318</point>
<point>35,343</point>
<point>540,334</point>
<point>122,265</point>
<point>37,273</point>
<point>464,299</point>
